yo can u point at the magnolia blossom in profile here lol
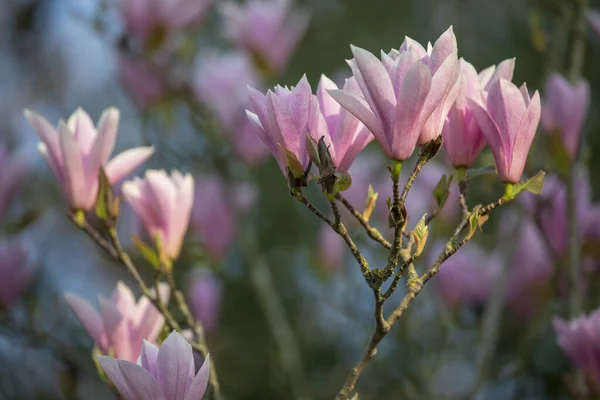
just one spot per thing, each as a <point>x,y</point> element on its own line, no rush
<point>213,217</point>
<point>165,373</point>
<point>406,95</point>
<point>268,29</point>
<point>509,118</point>
<point>468,276</point>
<point>150,21</point>
<point>76,151</point>
<point>139,81</point>
<point>579,340</point>
<point>463,138</point>
<point>283,117</point>
<point>221,84</point>
<point>565,109</point>
<point>164,204</point>
<point>204,297</point>
<point>345,134</point>
<point>122,324</point>
<point>16,271</point>
<point>12,173</point>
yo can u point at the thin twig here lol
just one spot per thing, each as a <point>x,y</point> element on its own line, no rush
<point>371,231</point>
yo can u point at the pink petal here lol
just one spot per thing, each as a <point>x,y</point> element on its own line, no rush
<point>148,358</point>
<point>443,48</point>
<point>82,127</point>
<point>411,100</point>
<point>122,299</point>
<point>75,184</point>
<point>200,382</point>
<point>117,331</point>
<point>506,106</point>
<point>527,128</point>
<point>328,106</point>
<point>126,162</point>
<point>108,126</point>
<point>114,373</point>
<point>49,136</point>
<point>175,366</point>
<point>377,82</point>
<point>140,382</point>
<point>90,319</point>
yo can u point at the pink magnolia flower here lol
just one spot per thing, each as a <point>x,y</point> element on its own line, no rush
<point>565,109</point>
<point>508,118</point>
<point>331,249</point>
<point>530,270</point>
<point>467,277</point>
<point>76,151</point>
<point>578,339</point>
<point>16,271</point>
<point>14,169</point>
<point>164,204</point>
<point>122,324</point>
<point>213,216</point>
<point>268,29</point>
<point>463,138</point>
<point>408,92</point>
<point>140,82</point>
<point>204,297</point>
<point>283,118</point>
<point>165,373</point>
<point>221,84</point>
<point>345,134</point>
<point>147,19</point>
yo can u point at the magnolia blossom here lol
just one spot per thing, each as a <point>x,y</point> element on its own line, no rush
<point>148,20</point>
<point>141,83</point>
<point>467,276</point>
<point>213,217</point>
<point>13,170</point>
<point>463,138</point>
<point>508,118</point>
<point>122,324</point>
<point>578,339</point>
<point>165,373</point>
<point>268,29</point>
<point>283,117</point>
<point>16,271</point>
<point>164,204</point>
<point>76,151</point>
<point>407,94</point>
<point>530,270</point>
<point>204,297</point>
<point>565,109</point>
<point>345,134</point>
<point>221,84</point>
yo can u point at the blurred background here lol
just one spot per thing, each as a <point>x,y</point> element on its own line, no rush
<point>285,306</point>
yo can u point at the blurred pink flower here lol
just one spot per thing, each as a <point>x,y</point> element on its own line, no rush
<point>13,170</point>
<point>463,138</point>
<point>165,373</point>
<point>283,117</point>
<point>331,249</point>
<point>593,17</point>
<point>164,204</point>
<point>213,219</point>
<point>122,324</point>
<point>245,196</point>
<point>407,94</point>
<point>530,270</point>
<point>467,277</point>
<point>204,297</point>
<point>77,150</point>
<point>140,82</point>
<point>148,19</point>
<point>579,340</point>
<point>509,118</point>
<point>565,109</point>
<point>268,29</point>
<point>16,271</point>
<point>221,84</point>
<point>345,135</point>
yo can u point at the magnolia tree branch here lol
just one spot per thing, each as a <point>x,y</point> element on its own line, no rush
<point>114,249</point>
<point>415,284</point>
<point>371,231</point>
